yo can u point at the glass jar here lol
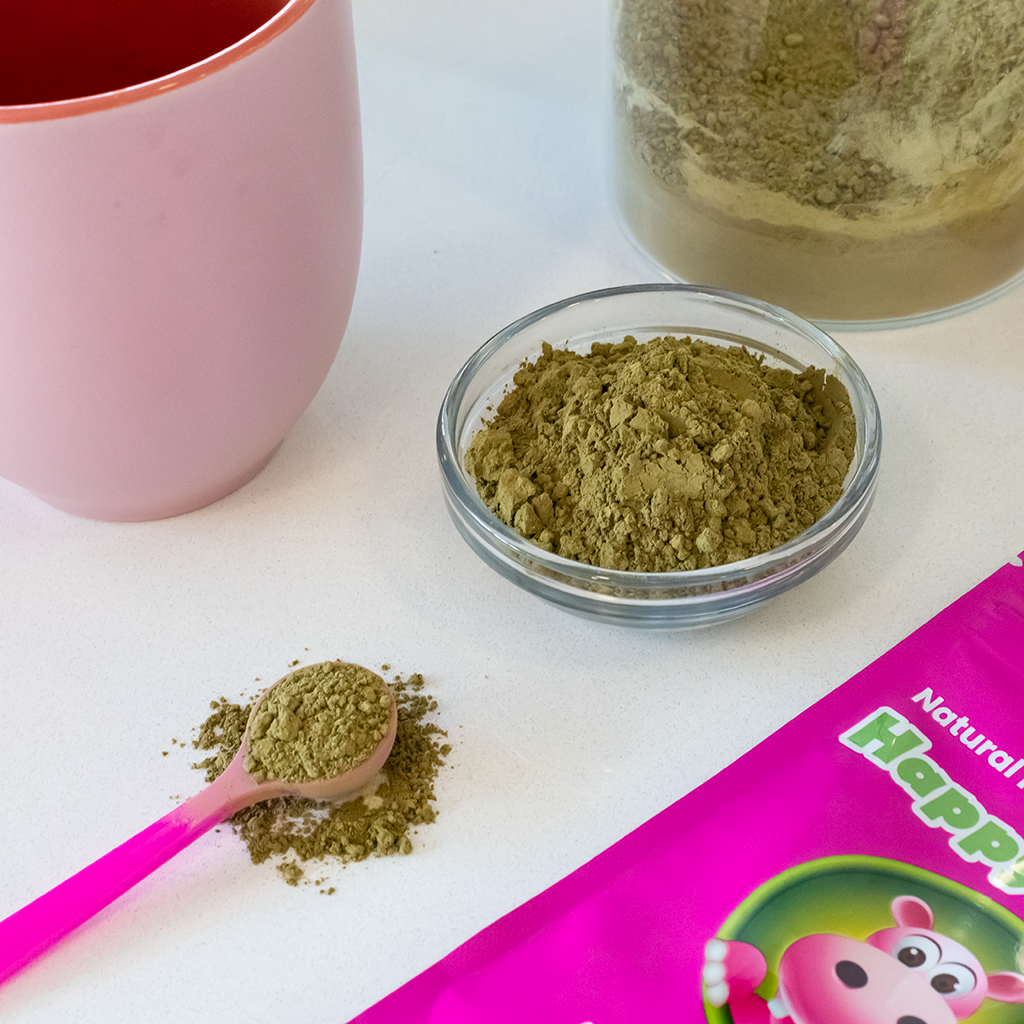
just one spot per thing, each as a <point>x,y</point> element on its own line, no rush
<point>851,160</point>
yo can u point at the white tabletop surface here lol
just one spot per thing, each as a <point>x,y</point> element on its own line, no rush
<point>486,197</point>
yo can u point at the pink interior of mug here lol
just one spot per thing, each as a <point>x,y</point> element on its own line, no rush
<point>59,50</point>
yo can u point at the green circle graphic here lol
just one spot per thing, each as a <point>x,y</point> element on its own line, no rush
<point>852,896</point>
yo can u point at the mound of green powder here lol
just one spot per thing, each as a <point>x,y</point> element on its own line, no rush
<point>318,722</point>
<point>378,823</point>
<point>676,454</point>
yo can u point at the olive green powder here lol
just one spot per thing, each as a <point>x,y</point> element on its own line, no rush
<point>836,103</point>
<point>379,822</point>
<point>675,454</point>
<point>318,722</point>
<point>848,159</point>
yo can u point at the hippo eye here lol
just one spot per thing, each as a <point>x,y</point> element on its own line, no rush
<point>952,979</point>
<point>917,951</point>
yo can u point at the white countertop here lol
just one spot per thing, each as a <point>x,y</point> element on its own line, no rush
<point>486,197</point>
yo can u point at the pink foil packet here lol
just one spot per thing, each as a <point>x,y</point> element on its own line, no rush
<point>862,865</point>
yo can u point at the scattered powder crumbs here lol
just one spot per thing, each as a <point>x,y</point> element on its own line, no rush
<point>290,872</point>
<point>379,822</point>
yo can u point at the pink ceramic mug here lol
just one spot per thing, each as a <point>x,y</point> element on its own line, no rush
<point>180,225</point>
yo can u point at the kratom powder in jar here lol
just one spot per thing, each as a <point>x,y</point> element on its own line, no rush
<point>671,455</point>
<point>318,722</point>
<point>380,821</point>
<point>847,159</point>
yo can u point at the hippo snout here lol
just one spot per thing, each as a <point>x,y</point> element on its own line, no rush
<point>833,979</point>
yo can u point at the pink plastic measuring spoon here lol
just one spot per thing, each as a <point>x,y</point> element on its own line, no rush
<point>29,932</point>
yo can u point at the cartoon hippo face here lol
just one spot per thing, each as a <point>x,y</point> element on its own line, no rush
<point>950,969</point>
<point>903,975</point>
<point>908,974</point>
<point>836,980</point>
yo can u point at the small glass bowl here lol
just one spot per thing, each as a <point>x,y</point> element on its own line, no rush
<point>700,597</point>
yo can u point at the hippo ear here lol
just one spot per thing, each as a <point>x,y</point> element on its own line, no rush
<point>910,912</point>
<point>1006,987</point>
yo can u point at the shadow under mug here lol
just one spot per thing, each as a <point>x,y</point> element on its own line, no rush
<point>180,225</point>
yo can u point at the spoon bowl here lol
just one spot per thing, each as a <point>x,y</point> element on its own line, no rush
<point>235,788</point>
<point>29,932</point>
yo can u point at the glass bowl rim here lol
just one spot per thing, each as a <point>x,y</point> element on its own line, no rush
<point>754,573</point>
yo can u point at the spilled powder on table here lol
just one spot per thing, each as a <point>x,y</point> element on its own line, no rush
<point>379,822</point>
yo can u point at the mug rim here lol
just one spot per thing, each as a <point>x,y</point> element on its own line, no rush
<point>76,105</point>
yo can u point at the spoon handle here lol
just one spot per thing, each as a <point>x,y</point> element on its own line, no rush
<point>29,932</point>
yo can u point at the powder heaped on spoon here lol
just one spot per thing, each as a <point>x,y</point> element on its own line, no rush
<point>380,824</point>
<point>318,722</point>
